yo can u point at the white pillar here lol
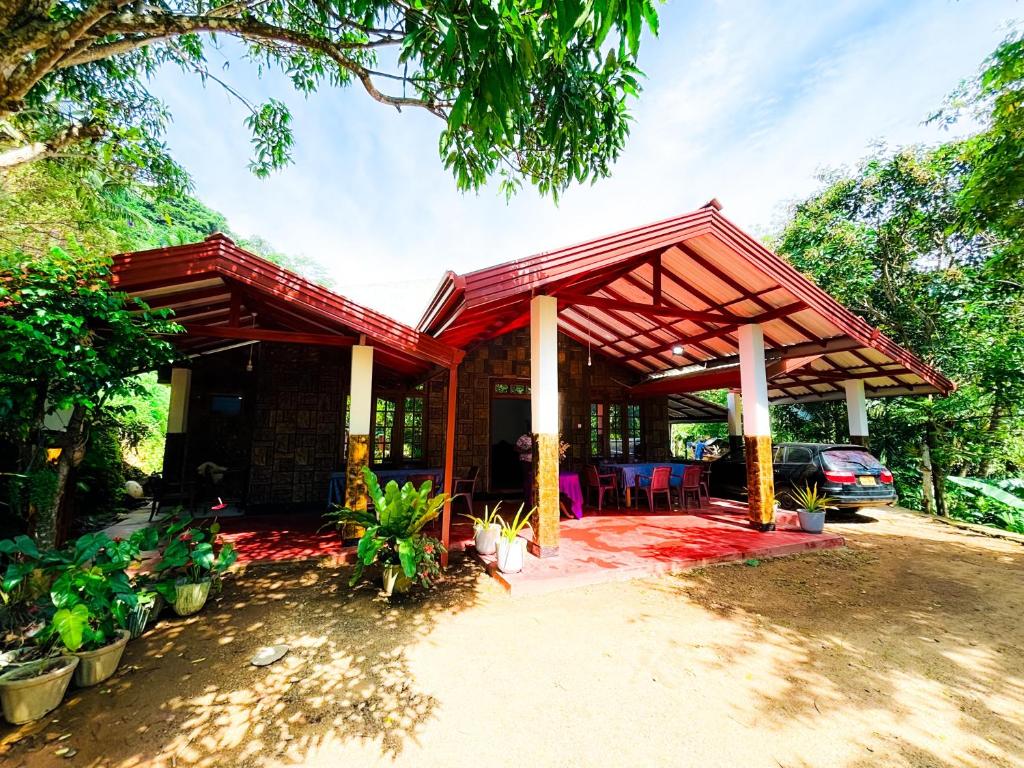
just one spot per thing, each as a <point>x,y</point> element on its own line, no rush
<point>756,427</point>
<point>734,405</point>
<point>177,407</point>
<point>544,415</point>
<point>857,411</point>
<point>361,390</point>
<point>360,419</point>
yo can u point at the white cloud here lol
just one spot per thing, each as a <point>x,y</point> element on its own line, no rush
<point>744,103</point>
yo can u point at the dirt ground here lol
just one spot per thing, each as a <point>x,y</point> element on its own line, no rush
<point>905,649</point>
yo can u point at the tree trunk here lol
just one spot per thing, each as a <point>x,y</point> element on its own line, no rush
<point>47,524</point>
<point>927,489</point>
<point>938,473</point>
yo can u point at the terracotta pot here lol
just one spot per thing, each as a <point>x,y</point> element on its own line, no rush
<point>190,598</point>
<point>511,555</point>
<point>29,691</point>
<point>96,666</point>
<point>486,539</point>
<point>811,522</point>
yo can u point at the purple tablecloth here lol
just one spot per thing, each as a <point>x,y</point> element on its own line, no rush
<point>569,486</point>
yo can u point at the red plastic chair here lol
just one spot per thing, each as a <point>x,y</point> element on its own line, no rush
<point>661,484</point>
<point>600,484</point>
<point>692,485</point>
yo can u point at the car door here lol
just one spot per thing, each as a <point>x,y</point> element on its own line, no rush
<point>792,468</point>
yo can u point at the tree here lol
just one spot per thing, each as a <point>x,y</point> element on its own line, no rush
<point>68,342</point>
<point>890,241</point>
<point>528,91</point>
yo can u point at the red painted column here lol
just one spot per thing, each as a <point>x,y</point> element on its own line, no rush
<point>449,462</point>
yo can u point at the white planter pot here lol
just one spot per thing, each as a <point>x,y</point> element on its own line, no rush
<point>811,522</point>
<point>511,555</point>
<point>395,580</point>
<point>96,666</point>
<point>190,597</point>
<point>486,539</point>
<point>29,691</point>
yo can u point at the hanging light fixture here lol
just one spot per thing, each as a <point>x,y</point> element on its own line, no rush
<point>677,349</point>
<point>248,365</point>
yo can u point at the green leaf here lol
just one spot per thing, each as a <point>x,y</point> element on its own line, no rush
<point>71,624</point>
<point>407,556</point>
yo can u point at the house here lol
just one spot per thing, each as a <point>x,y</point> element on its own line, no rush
<point>601,345</point>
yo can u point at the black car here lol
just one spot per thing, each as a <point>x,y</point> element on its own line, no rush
<point>847,473</point>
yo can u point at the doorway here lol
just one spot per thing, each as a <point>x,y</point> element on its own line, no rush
<point>510,419</point>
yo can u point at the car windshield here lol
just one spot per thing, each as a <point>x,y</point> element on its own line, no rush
<point>849,459</point>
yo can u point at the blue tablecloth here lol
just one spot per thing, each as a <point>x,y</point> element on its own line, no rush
<point>628,473</point>
<point>336,485</point>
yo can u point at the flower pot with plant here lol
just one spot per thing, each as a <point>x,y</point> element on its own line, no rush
<point>811,506</point>
<point>192,561</point>
<point>392,534</point>
<point>31,690</point>
<point>511,546</point>
<point>486,530</point>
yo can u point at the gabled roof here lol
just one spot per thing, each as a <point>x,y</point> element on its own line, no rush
<point>225,295</point>
<point>687,282</point>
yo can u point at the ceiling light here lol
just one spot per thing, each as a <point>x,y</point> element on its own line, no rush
<point>677,349</point>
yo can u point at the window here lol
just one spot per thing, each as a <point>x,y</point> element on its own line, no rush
<point>383,429</point>
<point>412,428</point>
<point>511,388</point>
<point>615,430</point>
<point>597,429</point>
<point>798,455</point>
<point>633,429</point>
<point>226,405</point>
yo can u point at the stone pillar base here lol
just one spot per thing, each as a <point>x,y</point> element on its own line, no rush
<point>760,482</point>
<point>861,440</point>
<point>545,484</point>
<point>355,483</point>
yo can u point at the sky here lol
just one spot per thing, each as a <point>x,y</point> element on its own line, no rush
<point>743,101</point>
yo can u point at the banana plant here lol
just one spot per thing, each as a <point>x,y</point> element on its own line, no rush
<point>392,528</point>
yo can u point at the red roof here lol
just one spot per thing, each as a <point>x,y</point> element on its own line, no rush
<point>224,296</point>
<point>688,282</point>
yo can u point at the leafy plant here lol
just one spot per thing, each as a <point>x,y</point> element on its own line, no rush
<point>490,517</point>
<point>391,534</point>
<point>190,554</point>
<point>811,499</point>
<point>512,530</point>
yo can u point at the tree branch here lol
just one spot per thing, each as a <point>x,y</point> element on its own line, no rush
<point>27,153</point>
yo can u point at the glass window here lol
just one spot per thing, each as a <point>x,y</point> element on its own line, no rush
<point>633,429</point>
<point>412,428</point>
<point>383,428</point>
<point>597,429</point>
<point>615,430</point>
<point>849,459</point>
<point>226,405</point>
<point>798,455</point>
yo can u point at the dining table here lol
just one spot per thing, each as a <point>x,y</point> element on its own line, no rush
<point>631,475</point>
<point>569,488</point>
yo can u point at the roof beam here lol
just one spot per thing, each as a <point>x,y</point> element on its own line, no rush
<point>265,334</point>
<point>649,310</point>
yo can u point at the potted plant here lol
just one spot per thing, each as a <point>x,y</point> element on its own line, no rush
<point>486,530</point>
<point>391,533</point>
<point>811,507</point>
<point>92,596</point>
<point>192,561</point>
<point>31,683</point>
<point>512,548</point>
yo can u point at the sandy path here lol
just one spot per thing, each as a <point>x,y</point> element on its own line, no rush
<point>903,650</point>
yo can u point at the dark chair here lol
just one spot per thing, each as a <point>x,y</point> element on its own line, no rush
<point>464,487</point>
<point>692,485</point>
<point>661,484</point>
<point>600,484</point>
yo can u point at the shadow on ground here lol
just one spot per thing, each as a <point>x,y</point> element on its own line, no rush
<point>912,635</point>
<point>187,694</point>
